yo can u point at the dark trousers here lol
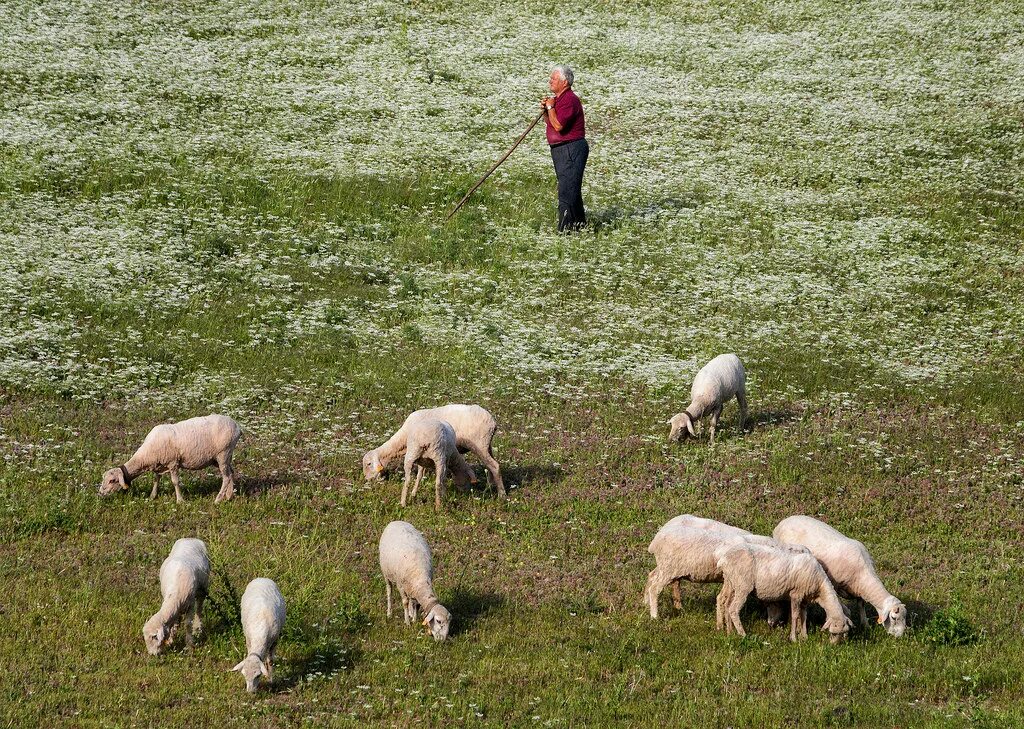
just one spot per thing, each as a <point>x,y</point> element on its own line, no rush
<point>570,159</point>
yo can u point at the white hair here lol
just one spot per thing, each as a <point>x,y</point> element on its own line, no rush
<point>565,72</point>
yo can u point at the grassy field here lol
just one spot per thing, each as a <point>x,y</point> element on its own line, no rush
<point>235,207</point>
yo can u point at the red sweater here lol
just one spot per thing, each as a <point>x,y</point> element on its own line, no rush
<point>569,112</point>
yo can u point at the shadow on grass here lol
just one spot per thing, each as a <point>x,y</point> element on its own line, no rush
<point>259,485</point>
<point>615,215</point>
<point>919,613</point>
<point>528,475</point>
<point>767,418</point>
<point>467,606</point>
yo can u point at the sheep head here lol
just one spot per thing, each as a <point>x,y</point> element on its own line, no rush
<point>156,635</point>
<point>681,426</point>
<point>837,628</point>
<point>253,670</point>
<point>113,480</point>
<point>463,475</point>
<point>372,467</point>
<point>895,619</point>
<point>438,621</point>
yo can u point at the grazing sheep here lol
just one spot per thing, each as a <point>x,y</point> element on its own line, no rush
<point>717,383</point>
<point>192,444</point>
<point>432,442</point>
<point>685,552</point>
<point>849,566</point>
<point>184,581</point>
<point>776,574</point>
<point>474,430</point>
<point>406,563</point>
<point>263,616</point>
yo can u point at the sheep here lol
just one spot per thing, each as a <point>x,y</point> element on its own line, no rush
<point>849,566</point>
<point>184,581</point>
<point>775,574</point>
<point>263,615</point>
<point>680,554</point>
<point>431,441</point>
<point>191,444</point>
<point>406,563</point>
<point>474,431</point>
<point>688,547</point>
<point>717,383</point>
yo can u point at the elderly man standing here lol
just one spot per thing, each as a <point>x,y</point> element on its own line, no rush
<point>569,149</point>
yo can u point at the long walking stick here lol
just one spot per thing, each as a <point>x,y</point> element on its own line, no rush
<point>494,167</point>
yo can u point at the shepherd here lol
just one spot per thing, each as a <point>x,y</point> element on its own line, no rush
<point>563,113</point>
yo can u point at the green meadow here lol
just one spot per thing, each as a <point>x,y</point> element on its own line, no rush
<point>237,206</point>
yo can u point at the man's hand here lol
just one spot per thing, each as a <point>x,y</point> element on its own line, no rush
<point>547,100</point>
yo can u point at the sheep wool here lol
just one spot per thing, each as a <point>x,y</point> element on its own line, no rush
<point>406,562</point>
<point>474,430</point>
<point>263,615</point>
<point>776,574</point>
<point>718,382</point>
<point>184,581</point>
<point>849,566</point>
<point>192,444</point>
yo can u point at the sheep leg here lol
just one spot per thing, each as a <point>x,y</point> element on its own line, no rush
<point>419,477</point>
<point>715,414</point>
<point>197,618</point>
<point>408,477</point>
<point>227,480</point>
<point>441,470</point>
<point>156,484</point>
<point>493,470</point>
<point>795,618</point>
<point>405,604</point>
<point>269,663</point>
<point>188,622</point>
<point>737,597</point>
<point>387,593</point>
<point>656,582</point>
<point>863,614</point>
<point>177,486</point>
<point>677,595</point>
<point>721,602</point>
<point>741,400</point>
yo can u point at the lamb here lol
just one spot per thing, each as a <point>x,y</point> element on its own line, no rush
<point>849,566</point>
<point>688,548</point>
<point>430,441</point>
<point>775,574</point>
<point>184,581</point>
<point>263,615</point>
<point>717,383</point>
<point>474,431</point>
<point>406,563</point>
<point>192,444</point>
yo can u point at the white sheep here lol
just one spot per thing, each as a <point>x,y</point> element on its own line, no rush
<point>777,574</point>
<point>184,581</point>
<point>717,383</point>
<point>406,563</point>
<point>688,548</point>
<point>432,442</point>
<point>263,615</point>
<point>474,430</point>
<point>192,444</point>
<point>849,566</point>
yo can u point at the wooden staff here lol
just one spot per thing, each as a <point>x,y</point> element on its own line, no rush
<point>494,167</point>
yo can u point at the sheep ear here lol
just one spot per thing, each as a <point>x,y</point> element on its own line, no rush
<point>689,427</point>
<point>380,467</point>
<point>881,619</point>
<point>238,667</point>
<point>264,670</point>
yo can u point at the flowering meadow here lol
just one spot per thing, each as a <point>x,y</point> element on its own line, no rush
<point>237,207</point>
